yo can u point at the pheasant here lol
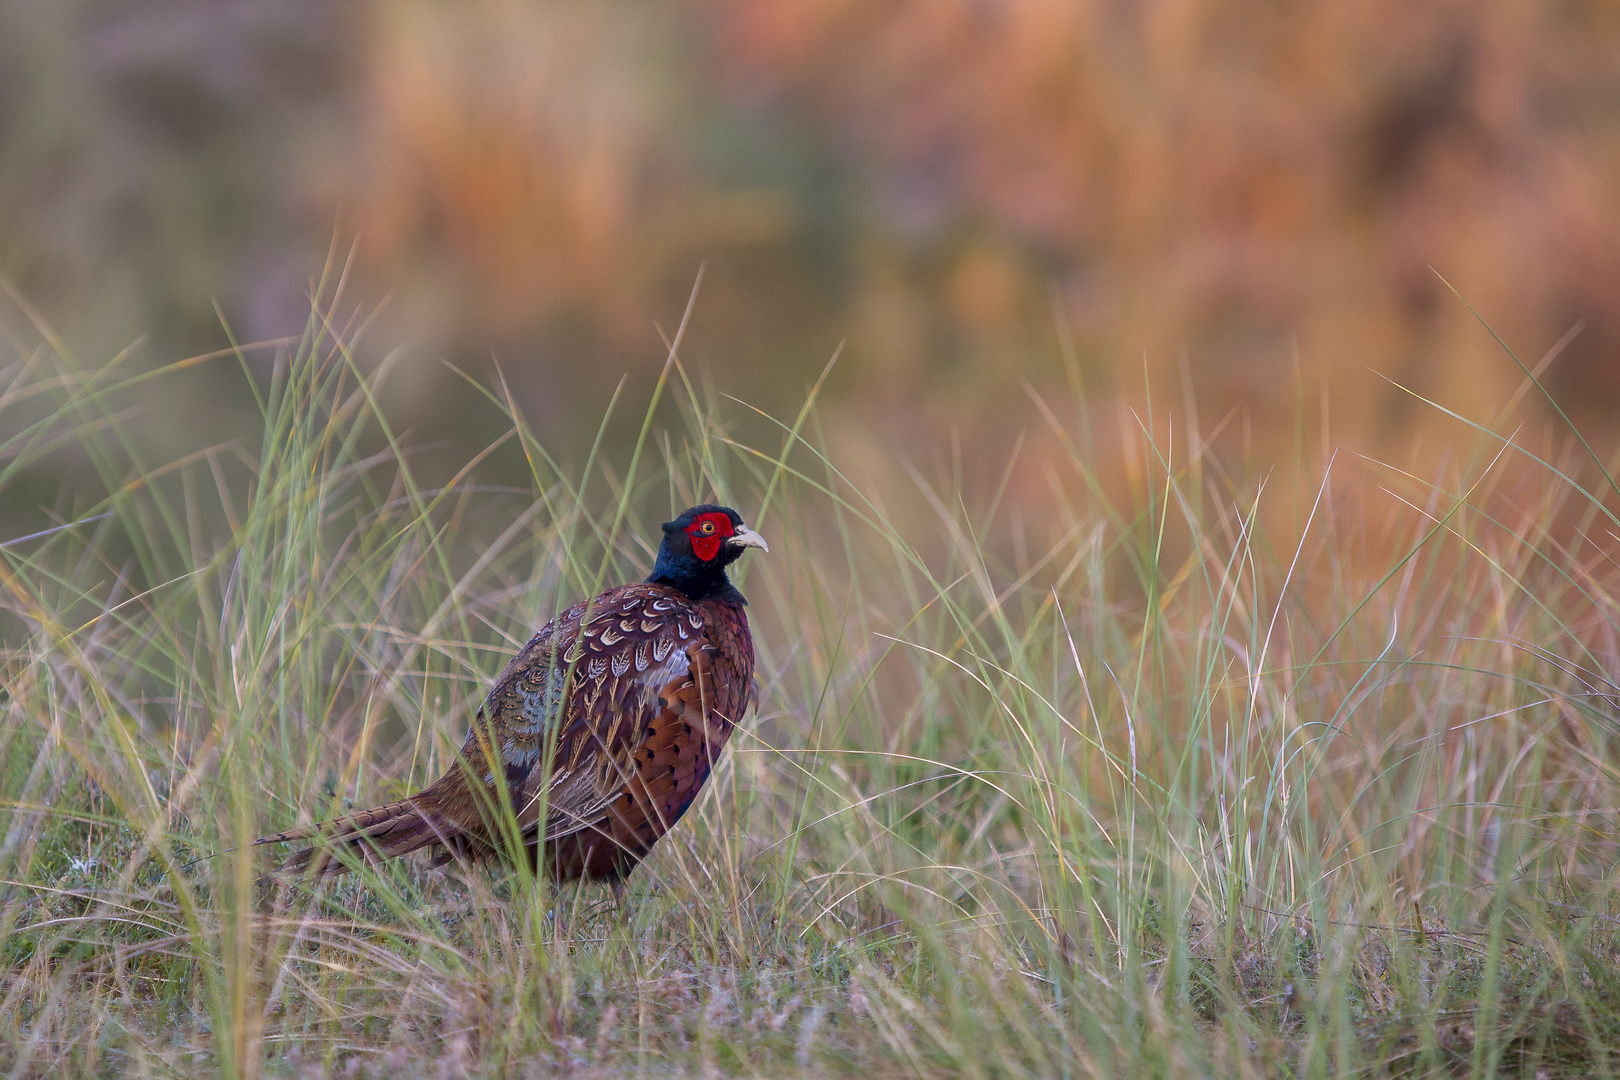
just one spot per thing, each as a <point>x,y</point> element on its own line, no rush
<point>600,732</point>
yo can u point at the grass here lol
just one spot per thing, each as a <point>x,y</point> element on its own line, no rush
<point>1189,776</point>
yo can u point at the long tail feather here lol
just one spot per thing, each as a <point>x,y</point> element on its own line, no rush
<point>383,832</point>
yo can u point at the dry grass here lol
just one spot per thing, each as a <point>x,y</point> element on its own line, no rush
<point>1100,789</point>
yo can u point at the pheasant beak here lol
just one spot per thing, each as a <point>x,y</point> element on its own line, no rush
<point>746,537</point>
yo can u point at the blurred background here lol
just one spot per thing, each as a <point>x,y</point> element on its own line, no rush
<point>1236,203</point>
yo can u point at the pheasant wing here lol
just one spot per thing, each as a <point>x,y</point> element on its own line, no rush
<point>608,681</point>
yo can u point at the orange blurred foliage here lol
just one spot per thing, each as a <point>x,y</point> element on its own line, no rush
<point>1247,182</point>
<point>1254,199</point>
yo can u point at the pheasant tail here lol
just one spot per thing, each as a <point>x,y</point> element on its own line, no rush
<point>383,832</point>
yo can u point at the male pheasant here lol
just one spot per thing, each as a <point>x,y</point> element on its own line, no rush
<point>600,732</point>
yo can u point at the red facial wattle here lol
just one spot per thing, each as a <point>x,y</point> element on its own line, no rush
<point>708,532</point>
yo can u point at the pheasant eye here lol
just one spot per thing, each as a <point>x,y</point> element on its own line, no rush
<point>707,528</point>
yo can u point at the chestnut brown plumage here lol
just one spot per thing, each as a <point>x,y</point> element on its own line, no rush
<point>603,729</point>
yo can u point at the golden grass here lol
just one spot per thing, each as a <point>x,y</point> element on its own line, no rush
<point>1071,787</point>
